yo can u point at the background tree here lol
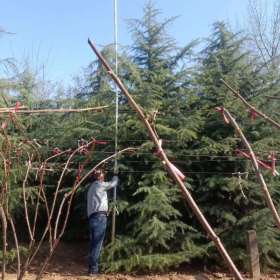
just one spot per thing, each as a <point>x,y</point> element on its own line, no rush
<point>233,204</point>
<point>160,83</point>
<point>264,28</point>
<point>178,89</point>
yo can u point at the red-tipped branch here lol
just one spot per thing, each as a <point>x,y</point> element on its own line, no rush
<point>252,108</point>
<point>254,161</point>
<point>71,195</point>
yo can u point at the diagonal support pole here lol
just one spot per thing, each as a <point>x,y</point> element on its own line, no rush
<point>248,105</point>
<point>186,194</point>
<point>255,164</point>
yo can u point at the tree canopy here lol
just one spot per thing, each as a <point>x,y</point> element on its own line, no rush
<point>178,88</point>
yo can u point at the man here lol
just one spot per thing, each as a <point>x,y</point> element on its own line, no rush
<point>97,209</point>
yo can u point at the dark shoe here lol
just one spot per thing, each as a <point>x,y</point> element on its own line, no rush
<point>93,274</point>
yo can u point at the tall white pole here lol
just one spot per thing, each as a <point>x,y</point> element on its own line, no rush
<point>116,116</point>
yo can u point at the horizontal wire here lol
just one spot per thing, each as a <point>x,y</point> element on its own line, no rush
<point>180,155</point>
<point>148,140</point>
<point>191,172</point>
<point>182,161</point>
<point>208,157</point>
<point>225,158</point>
<point>217,158</point>
<point>143,166</point>
<point>173,141</point>
<point>184,172</point>
<point>257,152</point>
<point>163,140</point>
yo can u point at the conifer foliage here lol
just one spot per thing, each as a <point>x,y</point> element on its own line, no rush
<point>179,89</point>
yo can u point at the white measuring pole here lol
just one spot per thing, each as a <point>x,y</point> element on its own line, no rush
<point>116,116</point>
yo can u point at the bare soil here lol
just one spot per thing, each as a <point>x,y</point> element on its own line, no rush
<point>70,263</point>
<point>169,276</point>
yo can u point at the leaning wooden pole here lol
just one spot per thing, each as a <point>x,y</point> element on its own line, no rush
<point>4,241</point>
<point>9,110</point>
<point>254,161</point>
<point>169,168</point>
<point>251,107</point>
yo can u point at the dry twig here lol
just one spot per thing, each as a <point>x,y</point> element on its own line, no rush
<point>254,161</point>
<point>248,105</point>
<point>42,111</point>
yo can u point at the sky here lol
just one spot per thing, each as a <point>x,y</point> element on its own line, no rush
<point>54,33</point>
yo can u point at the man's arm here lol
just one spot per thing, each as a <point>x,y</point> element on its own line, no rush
<point>112,184</point>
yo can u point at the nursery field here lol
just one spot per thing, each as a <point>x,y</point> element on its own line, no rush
<point>70,262</point>
<point>176,142</point>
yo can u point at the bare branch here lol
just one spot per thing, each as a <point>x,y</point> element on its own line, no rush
<point>255,164</point>
<point>248,105</point>
<point>71,195</point>
<point>4,240</point>
<point>25,200</point>
<point>16,244</point>
<point>42,111</point>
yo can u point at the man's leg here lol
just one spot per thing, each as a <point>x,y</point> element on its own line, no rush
<point>91,246</point>
<point>98,225</point>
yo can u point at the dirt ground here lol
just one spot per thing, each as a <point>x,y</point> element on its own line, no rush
<point>173,276</point>
<point>169,276</point>
<point>69,263</point>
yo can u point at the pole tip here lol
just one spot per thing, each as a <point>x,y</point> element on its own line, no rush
<point>91,44</point>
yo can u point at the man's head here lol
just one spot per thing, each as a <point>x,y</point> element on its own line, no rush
<point>98,174</point>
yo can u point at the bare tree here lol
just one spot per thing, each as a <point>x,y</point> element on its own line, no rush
<point>264,30</point>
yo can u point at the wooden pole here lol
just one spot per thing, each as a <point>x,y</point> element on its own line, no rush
<point>252,246</point>
<point>40,111</point>
<point>169,168</point>
<point>254,161</point>
<point>4,240</point>
<point>248,105</point>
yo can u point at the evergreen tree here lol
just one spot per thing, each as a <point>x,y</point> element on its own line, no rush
<point>157,235</point>
<point>221,192</point>
<point>178,93</point>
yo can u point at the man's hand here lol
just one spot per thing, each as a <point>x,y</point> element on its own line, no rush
<point>116,171</point>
